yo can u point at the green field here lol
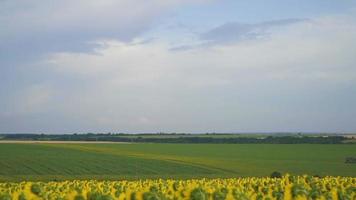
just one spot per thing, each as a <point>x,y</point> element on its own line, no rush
<point>132,161</point>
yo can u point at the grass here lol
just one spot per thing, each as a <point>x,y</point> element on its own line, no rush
<point>132,161</point>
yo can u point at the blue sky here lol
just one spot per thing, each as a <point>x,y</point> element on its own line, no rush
<point>177,66</point>
<point>254,11</point>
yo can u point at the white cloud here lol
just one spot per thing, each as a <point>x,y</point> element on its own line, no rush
<point>100,73</point>
<point>146,87</point>
<point>318,47</point>
<point>35,28</point>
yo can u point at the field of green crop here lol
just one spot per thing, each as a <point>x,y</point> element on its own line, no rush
<point>132,161</point>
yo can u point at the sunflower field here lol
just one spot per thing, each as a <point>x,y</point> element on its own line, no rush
<point>287,187</point>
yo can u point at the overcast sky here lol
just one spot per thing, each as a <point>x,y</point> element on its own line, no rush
<point>177,66</point>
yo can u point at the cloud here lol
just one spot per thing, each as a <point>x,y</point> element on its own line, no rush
<point>234,31</point>
<point>297,46</point>
<point>288,82</point>
<point>95,71</point>
<point>35,28</point>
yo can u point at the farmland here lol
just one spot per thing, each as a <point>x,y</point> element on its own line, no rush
<point>112,161</point>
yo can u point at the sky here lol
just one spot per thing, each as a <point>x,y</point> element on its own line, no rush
<point>136,66</point>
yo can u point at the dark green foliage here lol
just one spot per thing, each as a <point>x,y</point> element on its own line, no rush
<point>317,176</point>
<point>265,190</point>
<point>133,196</point>
<point>176,186</point>
<point>278,195</point>
<point>79,197</point>
<point>351,189</point>
<point>240,195</point>
<point>154,189</point>
<point>259,197</point>
<point>218,195</point>
<point>98,196</point>
<point>153,196</point>
<point>276,174</point>
<point>298,190</point>
<point>342,196</point>
<point>198,194</point>
<point>22,196</point>
<point>350,160</point>
<point>36,189</point>
<point>5,197</point>
<point>117,193</point>
<point>314,194</point>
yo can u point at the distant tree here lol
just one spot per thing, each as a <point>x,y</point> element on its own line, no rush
<point>276,174</point>
<point>317,176</point>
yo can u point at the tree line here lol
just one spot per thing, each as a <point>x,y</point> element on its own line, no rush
<point>180,138</point>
